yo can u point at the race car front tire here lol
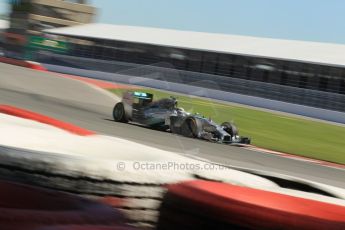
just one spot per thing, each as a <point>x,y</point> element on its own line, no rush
<point>230,128</point>
<point>119,113</point>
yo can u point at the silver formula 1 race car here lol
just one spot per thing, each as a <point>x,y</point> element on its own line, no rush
<point>164,114</point>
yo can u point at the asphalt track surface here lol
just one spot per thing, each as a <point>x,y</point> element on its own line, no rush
<point>73,101</point>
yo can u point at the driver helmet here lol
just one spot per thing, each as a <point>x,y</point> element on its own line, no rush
<point>180,110</point>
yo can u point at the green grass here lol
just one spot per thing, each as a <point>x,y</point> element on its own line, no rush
<point>270,130</point>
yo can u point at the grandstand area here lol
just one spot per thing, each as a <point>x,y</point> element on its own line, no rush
<point>307,73</point>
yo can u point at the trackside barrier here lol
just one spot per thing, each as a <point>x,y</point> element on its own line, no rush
<point>195,90</point>
<point>90,177</point>
<point>214,205</point>
<point>27,207</point>
<point>138,200</point>
<point>236,83</point>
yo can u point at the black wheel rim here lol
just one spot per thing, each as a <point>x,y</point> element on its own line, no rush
<point>118,112</point>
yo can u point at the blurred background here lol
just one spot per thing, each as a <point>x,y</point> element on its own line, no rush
<point>28,18</point>
<point>48,31</point>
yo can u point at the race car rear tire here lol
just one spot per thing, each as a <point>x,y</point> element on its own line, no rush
<point>119,113</point>
<point>230,128</point>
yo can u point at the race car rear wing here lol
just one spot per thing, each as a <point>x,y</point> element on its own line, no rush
<point>142,98</point>
<point>142,95</point>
